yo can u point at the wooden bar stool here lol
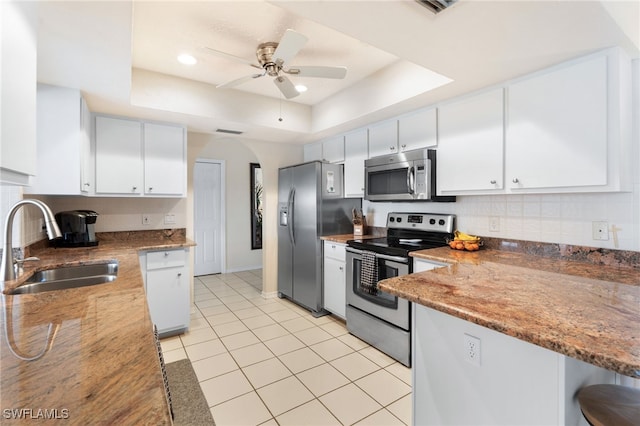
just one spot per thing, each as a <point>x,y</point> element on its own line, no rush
<point>610,405</point>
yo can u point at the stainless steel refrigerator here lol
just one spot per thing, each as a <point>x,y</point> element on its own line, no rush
<point>311,204</point>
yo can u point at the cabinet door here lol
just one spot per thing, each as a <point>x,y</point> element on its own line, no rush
<point>164,160</point>
<point>334,287</point>
<point>383,138</point>
<point>87,172</point>
<point>168,298</point>
<point>313,152</point>
<point>557,128</point>
<point>471,144</point>
<point>418,130</point>
<point>118,156</point>
<point>420,265</point>
<point>355,152</point>
<point>333,150</point>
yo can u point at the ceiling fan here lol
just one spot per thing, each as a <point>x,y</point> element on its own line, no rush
<point>272,58</point>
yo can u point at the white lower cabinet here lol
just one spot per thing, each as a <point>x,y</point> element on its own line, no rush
<point>464,373</point>
<point>421,265</point>
<point>334,289</point>
<point>166,277</point>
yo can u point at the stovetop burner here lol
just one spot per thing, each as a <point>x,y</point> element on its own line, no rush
<point>407,232</point>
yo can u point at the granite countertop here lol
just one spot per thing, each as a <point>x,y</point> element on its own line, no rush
<point>102,366</point>
<point>586,311</point>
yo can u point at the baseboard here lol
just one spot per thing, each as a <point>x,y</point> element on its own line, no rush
<point>242,269</point>
<point>270,295</point>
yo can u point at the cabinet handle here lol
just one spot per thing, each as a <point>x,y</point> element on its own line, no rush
<point>392,148</point>
<point>134,188</point>
<point>515,180</point>
<point>333,246</point>
<point>341,268</point>
<point>493,181</point>
<point>150,188</point>
<point>166,253</point>
<point>404,145</point>
<point>87,184</point>
<point>179,274</point>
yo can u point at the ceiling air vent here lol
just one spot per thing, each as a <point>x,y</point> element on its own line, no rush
<point>436,5</point>
<point>231,132</point>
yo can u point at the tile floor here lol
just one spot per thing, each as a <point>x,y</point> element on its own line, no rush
<point>269,362</point>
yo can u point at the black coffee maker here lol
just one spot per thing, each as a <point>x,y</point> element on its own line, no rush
<point>78,228</point>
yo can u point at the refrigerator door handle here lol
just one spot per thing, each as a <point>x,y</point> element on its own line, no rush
<point>290,206</point>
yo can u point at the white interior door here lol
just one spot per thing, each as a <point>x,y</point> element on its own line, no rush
<point>208,196</point>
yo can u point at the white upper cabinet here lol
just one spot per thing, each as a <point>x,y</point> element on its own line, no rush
<point>134,158</point>
<point>118,156</point>
<point>63,132</point>
<point>313,152</point>
<point>164,160</point>
<point>417,130</point>
<point>566,127</point>
<point>18,49</point>
<point>470,153</point>
<point>333,149</point>
<point>355,152</point>
<point>383,138</point>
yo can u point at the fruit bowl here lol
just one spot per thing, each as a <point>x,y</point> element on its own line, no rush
<point>468,245</point>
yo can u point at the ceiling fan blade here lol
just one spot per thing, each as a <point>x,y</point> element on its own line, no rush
<point>286,87</point>
<point>318,71</point>
<point>238,81</point>
<point>289,46</point>
<point>228,56</point>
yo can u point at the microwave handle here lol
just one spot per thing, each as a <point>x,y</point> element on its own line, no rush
<point>411,179</point>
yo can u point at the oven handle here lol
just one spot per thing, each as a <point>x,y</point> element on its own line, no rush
<point>381,256</point>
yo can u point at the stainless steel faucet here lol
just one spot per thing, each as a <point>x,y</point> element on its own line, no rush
<point>7,268</point>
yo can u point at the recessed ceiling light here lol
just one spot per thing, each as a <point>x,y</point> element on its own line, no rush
<point>187,59</point>
<point>301,88</point>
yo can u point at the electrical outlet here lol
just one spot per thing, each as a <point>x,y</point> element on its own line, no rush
<point>169,219</point>
<point>600,231</point>
<point>146,220</point>
<point>494,223</point>
<point>472,349</point>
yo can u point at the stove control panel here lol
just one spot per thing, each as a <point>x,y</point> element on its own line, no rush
<point>432,222</point>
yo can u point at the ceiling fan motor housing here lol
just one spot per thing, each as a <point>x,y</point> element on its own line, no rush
<point>264,54</point>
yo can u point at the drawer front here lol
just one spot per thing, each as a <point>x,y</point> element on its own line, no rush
<point>166,259</point>
<point>335,250</point>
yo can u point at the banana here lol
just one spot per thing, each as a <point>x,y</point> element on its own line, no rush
<point>461,236</point>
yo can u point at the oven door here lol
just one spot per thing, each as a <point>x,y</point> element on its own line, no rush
<point>382,305</point>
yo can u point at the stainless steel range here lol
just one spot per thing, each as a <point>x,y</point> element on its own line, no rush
<point>379,318</point>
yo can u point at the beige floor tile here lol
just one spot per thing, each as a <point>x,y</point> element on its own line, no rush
<point>243,304</point>
<point>284,395</point>
<point>378,357</point>
<point>380,418</point>
<point>401,372</point>
<point>248,312</point>
<point>239,340</point>
<point>214,366</point>
<point>244,410</point>
<point>271,422</point>
<point>353,341</point>
<point>319,320</point>
<point>266,372</point>
<point>171,343</point>
<point>174,355</point>
<point>198,322</point>
<point>210,311</point>
<point>300,360</point>
<point>193,337</point>
<point>205,297</point>
<point>232,298</point>
<point>205,349</point>
<point>272,307</point>
<point>224,388</point>
<point>322,379</point>
<point>230,328</point>
<point>258,321</point>
<point>383,386</point>
<point>222,318</point>
<point>297,324</point>
<point>313,335</point>
<point>313,413</point>
<point>335,328</point>
<point>284,344</point>
<point>251,354</point>
<point>331,349</point>
<point>402,409</point>
<point>209,302</point>
<point>283,315</point>
<point>349,404</point>
<point>270,332</point>
<point>354,365</point>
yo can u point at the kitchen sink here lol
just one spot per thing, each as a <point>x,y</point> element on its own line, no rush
<point>69,277</point>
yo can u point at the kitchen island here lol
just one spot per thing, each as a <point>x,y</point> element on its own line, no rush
<point>544,327</point>
<point>100,363</point>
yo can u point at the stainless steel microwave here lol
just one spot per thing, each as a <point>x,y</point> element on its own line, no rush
<point>406,176</point>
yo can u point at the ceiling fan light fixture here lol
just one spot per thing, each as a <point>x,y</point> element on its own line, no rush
<point>301,88</point>
<point>187,59</point>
